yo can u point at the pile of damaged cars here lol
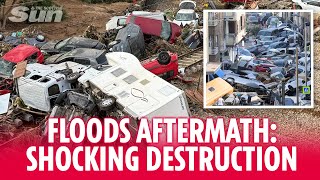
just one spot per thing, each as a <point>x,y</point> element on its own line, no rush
<point>83,77</point>
<point>271,69</point>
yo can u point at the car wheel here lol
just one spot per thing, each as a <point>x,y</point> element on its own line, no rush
<point>73,77</point>
<point>164,58</point>
<point>250,67</point>
<point>107,104</point>
<point>230,81</point>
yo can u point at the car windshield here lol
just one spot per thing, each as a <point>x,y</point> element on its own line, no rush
<point>61,44</point>
<point>264,33</point>
<point>6,68</point>
<point>166,30</point>
<point>102,59</point>
<point>122,22</point>
<point>244,52</point>
<point>252,18</point>
<point>184,17</point>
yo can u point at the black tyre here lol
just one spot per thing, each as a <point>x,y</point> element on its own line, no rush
<point>107,104</point>
<point>73,77</point>
<point>164,58</point>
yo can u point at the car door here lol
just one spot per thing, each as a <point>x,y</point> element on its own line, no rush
<point>53,93</point>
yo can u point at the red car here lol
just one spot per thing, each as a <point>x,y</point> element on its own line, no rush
<point>263,67</point>
<point>165,65</point>
<point>23,52</point>
<point>166,30</point>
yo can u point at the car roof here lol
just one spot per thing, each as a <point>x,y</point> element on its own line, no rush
<point>85,52</point>
<point>20,53</point>
<point>86,42</point>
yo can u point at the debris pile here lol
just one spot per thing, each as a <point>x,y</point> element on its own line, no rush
<point>275,4</point>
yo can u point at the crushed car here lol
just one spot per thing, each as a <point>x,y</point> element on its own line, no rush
<point>186,14</point>
<point>22,52</point>
<point>69,44</point>
<point>168,31</point>
<point>129,39</point>
<point>84,56</point>
<point>41,85</point>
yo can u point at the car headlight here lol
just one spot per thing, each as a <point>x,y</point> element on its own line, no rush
<point>44,52</point>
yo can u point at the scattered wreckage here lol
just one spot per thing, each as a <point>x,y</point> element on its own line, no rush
<point>120,91</point>
<point>114,73</point>
<point>22,52</point>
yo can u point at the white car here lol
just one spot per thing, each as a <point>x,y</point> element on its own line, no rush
<point>308,4</point>
<point>292,83</point>
<point>186,14</point>
<point>42,84</point>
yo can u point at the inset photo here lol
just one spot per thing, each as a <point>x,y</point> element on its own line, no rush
<point>258,59</point>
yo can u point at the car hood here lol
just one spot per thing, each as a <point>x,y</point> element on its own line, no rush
<point>49,45</point>
<point>53,59</point>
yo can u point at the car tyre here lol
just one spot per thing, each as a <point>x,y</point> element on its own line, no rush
<point>73,77</point>
<point>107,103</point>
<point>164,58</point>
